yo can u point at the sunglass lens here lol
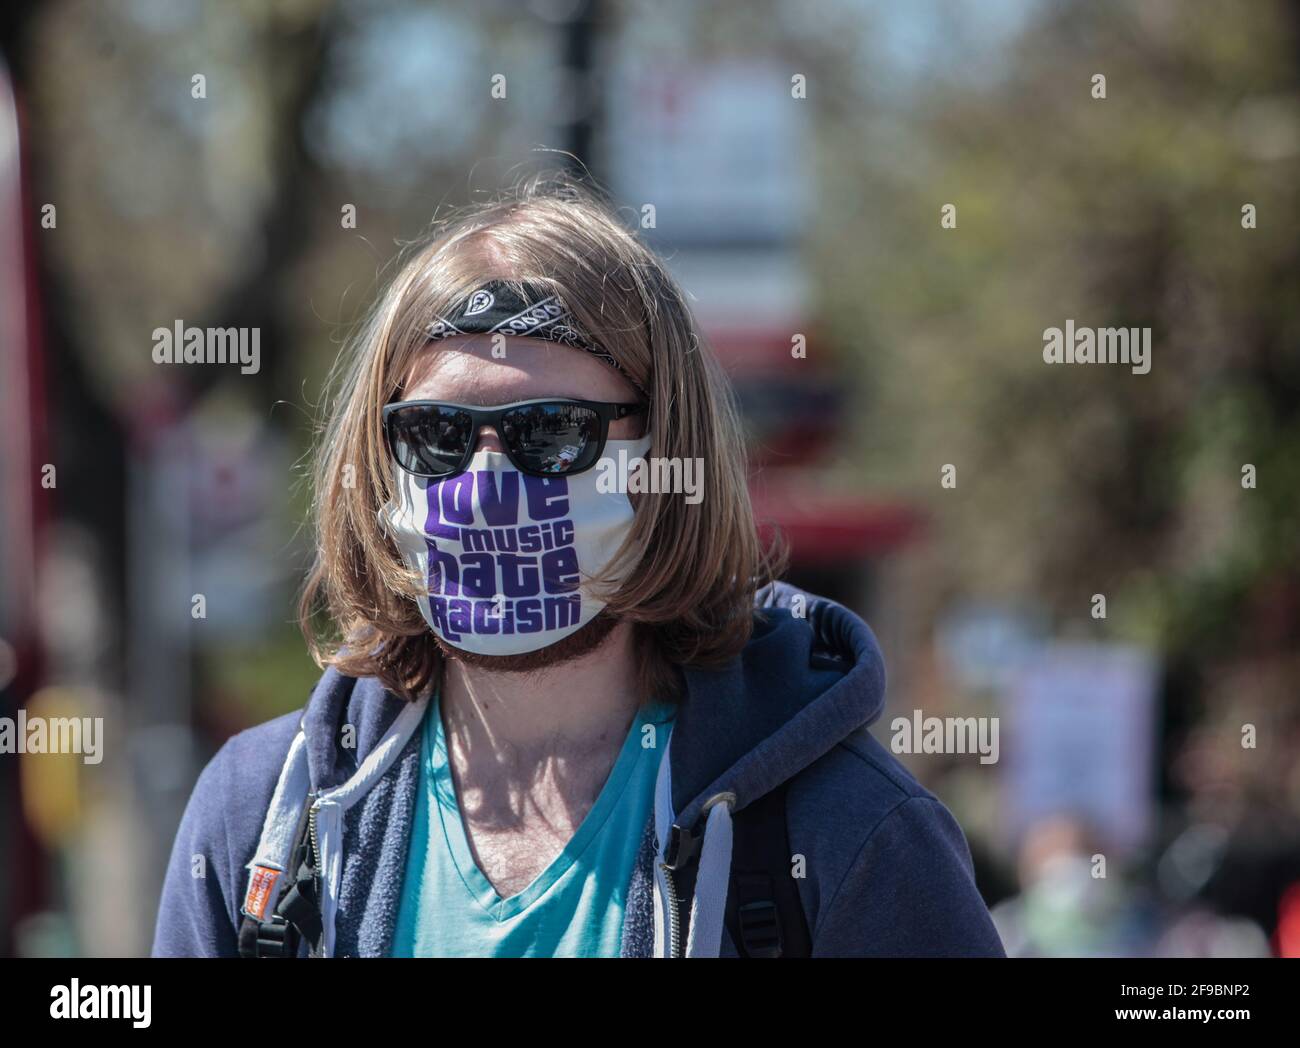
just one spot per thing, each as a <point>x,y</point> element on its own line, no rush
<point>429,441</point>
<point>553,438</point>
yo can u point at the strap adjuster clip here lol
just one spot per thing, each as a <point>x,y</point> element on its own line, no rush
<point>274,938</point>
<point>760,928</point>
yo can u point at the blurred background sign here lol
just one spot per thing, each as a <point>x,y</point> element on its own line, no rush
<point>721,150</point>
<point>1078,739</point>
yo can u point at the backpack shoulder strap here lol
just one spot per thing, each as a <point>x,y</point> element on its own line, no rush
<point>765,917</point>
<point>280,905</point>
<point>279,932</point>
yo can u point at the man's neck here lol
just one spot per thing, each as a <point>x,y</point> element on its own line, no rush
<point>530,752</point>
<point>571,705</point>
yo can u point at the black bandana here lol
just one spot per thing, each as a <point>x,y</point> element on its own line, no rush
<point>497,308</point>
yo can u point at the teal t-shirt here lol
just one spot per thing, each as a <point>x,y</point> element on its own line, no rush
<point>573,908</point>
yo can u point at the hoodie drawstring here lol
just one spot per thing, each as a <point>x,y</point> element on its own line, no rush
<point>331,806</point>
<point>709,907</point>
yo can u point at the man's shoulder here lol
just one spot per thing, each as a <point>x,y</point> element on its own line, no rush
<point>888,870</point>
<point>198,912</point>
<point>258,753</point>
<point>858,782</point>
<point>858,795</point>
<point>277,732</point>
<point>235,787</point>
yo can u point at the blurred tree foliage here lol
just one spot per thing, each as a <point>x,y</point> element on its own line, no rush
<point>1123,211</point>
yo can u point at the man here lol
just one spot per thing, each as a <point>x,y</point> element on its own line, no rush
<point>564,713</point>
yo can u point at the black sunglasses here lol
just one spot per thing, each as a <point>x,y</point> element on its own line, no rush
<point>432,438</point>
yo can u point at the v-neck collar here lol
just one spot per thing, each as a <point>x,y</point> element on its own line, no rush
<point>442,800</point>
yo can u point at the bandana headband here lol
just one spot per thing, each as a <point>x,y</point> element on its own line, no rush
<point>497,308</point>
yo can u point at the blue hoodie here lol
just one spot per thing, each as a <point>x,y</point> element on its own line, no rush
<point>888,871</point>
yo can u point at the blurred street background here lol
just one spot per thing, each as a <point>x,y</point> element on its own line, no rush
<point>793,163</point>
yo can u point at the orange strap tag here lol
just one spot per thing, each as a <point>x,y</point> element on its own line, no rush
<point>260,886</point>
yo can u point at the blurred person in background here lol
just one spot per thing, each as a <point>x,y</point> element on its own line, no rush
<point>558,718</point>
<point>1069,904</point>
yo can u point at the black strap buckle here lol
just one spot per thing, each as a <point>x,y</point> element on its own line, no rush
<point>275,938</point>
<point>681,847</point>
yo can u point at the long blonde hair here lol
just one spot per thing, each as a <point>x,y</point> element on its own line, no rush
<point>691,569</point>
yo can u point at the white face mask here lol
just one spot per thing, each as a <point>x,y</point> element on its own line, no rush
<point>505,554</point>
